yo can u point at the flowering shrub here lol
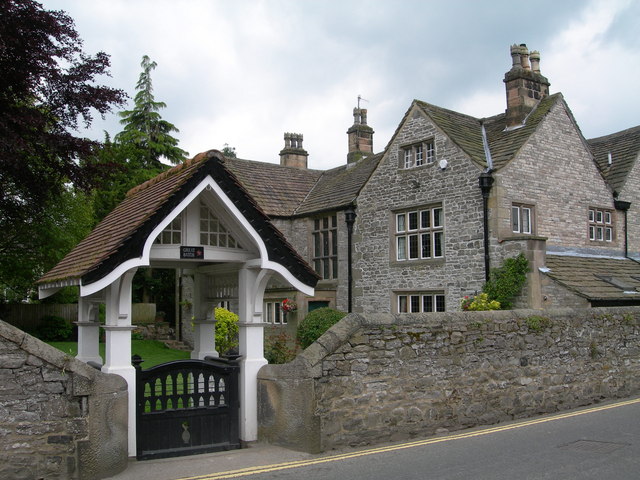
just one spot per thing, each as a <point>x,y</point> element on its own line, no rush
<point>479,302</point>
<point>289,306</point>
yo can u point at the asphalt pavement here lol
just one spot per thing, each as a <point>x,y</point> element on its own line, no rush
<point>569,438</point>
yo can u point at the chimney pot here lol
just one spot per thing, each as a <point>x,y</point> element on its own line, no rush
<point>535,61</point>
<point>524,56</point>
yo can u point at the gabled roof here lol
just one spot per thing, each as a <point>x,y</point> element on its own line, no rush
<point>624,148</point>
<point>466,131</point>
<point>338,188</point>
<point>122,234</point>
<point>596,278</point>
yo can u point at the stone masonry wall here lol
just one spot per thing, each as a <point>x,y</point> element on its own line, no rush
<point>59,418</point>
<point>380,377</point>
<point>631,193</point>
<point>554,172</point>
<point>377,274</point>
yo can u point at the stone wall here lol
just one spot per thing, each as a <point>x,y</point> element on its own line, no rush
<point>59,418</point>
<point>377,274</point>
<point>381,377</point>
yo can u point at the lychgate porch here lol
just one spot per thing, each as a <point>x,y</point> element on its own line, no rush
<point>196,218</point>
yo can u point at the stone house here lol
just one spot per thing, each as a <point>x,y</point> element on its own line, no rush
<point>451,196</point>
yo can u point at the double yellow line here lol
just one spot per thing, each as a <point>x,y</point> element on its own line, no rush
<point>243,472</point>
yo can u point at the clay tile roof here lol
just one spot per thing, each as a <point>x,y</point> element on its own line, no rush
<point>466,131</point>
<point>595,278</point>
<point>121,234</point>
<point>624,147</point>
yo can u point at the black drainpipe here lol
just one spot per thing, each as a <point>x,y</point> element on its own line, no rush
<point>624,206</point>
<point>349,218</point>
<point>485,181</point>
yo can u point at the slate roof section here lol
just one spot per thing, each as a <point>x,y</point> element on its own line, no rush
<point>466,131</point>
<point>339,187</point>
<point>595,278</point>
<point>122,233</point>
<point>624,147</point>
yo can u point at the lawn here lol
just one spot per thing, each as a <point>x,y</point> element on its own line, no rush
<point>151,351</point>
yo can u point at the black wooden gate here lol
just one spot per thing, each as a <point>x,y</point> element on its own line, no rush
<point>187,407</point>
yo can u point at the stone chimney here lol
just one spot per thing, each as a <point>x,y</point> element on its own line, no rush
<point>525,85</point>
<point>293,155</point>
<point>360,136</point>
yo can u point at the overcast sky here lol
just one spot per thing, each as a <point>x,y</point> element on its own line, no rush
<point>243,72</point>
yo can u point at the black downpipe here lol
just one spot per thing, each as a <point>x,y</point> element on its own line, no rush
<point>350,218</point>
<point>486,181</point>
<point>624,206</point>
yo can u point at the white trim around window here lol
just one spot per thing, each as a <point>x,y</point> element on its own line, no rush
<point>419,234</point>
<point>419,302</point>
<point>522,219</point>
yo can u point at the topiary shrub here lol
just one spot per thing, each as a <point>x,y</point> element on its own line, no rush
<point>316,323</point>
<point>53,329</point>
<point>226,330</point>
<point>507,281</point>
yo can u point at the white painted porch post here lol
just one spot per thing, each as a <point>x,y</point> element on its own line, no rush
<point>251,336</point>
<point>204,334</point>
<point>118,343</point>
<point>88,331</point>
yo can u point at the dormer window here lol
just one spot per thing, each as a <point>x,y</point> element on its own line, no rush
<point>419,154</point>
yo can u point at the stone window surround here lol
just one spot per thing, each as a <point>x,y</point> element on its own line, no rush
<point>417,154</point>
<point>324,246</point>
<point>600,224</point>
<point>520,228</point>
<point>419,233</point>
<point>418,301</point>
<point>272,312</point>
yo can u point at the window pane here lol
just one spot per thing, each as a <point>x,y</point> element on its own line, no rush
<point>425,219</point>
<point>400,222</point>
<point>426,245</point>
<point>413,246</point>
<point>334,242</point>
<point>413,220</point>
<point>440,303</point>
<point>598,216</point>
<point>431,152</point>
<point>427,303</point>
<point>607,217</point>
<point>415,303</point>
<point>325,244</point>
<point>334,269</point>
<point>402,248</point>
<point>408,163</point>
<point>268,312</point>
<point>515,219</point>
<point>419,157</point>
<point>325,268</point>
<point>591,216</point>
<point>592,233</point>
<point>317,266</point>
<point>599,234</point>
<point>316,224</point>
<point>402,304</point>
<point>437,244</point>
<point>276,313</point>
<point>437,217</point>
<point>317,247</point>
<point>526,220</point>
<point>325,223</point>
<point>608,234</point>
<point>334,221</point>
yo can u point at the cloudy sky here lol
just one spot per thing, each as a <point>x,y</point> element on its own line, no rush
<point>243,72</point>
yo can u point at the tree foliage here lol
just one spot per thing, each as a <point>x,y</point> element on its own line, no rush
<point>145,132</point>
<point>47,89</point>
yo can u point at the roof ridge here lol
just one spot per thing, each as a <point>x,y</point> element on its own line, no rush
<point>167,173</point>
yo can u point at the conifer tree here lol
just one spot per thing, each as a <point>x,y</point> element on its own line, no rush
<point>145,132</point>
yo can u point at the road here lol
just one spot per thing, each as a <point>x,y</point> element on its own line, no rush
<point>598,442</point>
<point>602,442</point>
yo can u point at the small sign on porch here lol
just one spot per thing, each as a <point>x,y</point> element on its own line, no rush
<point>192,252</point>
